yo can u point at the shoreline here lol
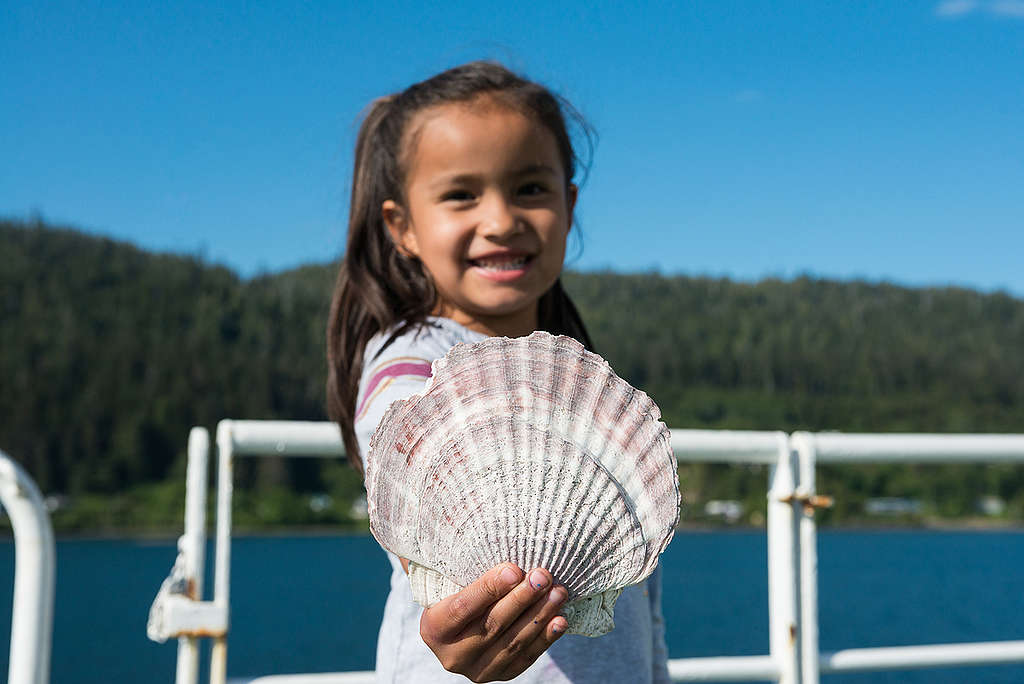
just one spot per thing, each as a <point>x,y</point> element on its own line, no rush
<point>168,536</point>
<point>926,525</point>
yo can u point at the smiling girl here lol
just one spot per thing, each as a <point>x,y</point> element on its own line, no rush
<point>462,200</point>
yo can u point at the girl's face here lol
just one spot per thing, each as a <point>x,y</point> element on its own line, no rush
<point>487,213</point>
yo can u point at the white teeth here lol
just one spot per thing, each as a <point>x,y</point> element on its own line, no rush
<point>500,264</point>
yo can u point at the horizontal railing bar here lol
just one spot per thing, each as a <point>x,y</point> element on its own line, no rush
<point>723,669</point>
<point>717,669</point>
<point>364,677</point>
<point>302,438</point>
<point>918,448</point>
<point>917,657</point>
<point>726,446</point>
<point>284,438</point>
<point>763,668</point>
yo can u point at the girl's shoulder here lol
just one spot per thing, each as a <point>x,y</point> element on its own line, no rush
<point>397,363</point>
<point>427,341</point>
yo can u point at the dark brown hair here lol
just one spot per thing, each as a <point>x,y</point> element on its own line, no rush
<point>380,288</point>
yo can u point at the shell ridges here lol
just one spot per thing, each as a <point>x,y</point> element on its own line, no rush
<point>529,450</point>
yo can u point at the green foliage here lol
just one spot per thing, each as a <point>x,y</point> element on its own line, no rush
<point>150,507</point>
<point>110,354</point>
<point>815,354</point>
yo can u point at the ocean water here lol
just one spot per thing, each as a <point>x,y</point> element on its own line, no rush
<point>308,604</point>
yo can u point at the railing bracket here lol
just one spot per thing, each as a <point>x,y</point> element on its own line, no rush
<point>810,502</point>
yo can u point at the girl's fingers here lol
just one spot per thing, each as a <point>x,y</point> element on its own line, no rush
<point>533,622</point>
<point>552,632</point>
<point>528,639</point>
<point>444,620</point>
<point>497,626</point>
<point>511,607</point>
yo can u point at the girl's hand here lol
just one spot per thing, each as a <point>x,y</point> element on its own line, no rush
<point>497,626</point>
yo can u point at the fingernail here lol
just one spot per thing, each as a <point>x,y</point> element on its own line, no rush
<point>558,627</point>
<point>538,579</point>
<point>509,575</point>
<point>557,595</point>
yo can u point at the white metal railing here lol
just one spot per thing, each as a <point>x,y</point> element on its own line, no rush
<point>834,447</point>
<point>794,656</point>
<point>34,575</point>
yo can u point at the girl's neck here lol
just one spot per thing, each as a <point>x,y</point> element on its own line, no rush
<point>517,324</point>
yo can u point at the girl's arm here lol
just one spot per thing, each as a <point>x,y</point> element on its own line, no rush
<point>497,626</point>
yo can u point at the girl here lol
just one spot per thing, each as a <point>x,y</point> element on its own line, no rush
<point>462,199</point>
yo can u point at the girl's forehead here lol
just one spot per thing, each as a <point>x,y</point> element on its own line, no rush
<point>476,134</point>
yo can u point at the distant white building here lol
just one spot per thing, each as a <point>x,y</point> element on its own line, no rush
<point>318,503</point>
<point>991,505</point>
<point>724,508</point>
<point>358,510</point>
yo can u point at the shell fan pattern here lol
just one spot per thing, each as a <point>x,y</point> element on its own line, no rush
<point>530,450</point>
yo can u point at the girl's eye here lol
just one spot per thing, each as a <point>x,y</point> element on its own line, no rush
<point>532,189</point>
<point>457,196</point>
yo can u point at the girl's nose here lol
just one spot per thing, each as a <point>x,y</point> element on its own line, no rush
<point>499,219</point>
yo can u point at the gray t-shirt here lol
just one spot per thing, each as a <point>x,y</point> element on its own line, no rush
<point>633,652</point>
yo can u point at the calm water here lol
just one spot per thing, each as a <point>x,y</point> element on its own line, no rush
<point>313,603</point>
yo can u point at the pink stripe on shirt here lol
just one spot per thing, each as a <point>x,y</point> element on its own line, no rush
<point>394,369</point>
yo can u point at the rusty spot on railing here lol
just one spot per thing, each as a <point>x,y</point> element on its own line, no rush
<point>200,633</point>
<point>810,502</point>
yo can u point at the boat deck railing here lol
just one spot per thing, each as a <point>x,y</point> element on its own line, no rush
<point>34,575</point>
<point>794,656</point>
<point>180,612</point>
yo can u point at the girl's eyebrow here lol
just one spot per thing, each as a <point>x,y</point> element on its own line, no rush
<point>445,183</point>
<point>466,178</point>
<point>536,168</point>
<point>455,179</point>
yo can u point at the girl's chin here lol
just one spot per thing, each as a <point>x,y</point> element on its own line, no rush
<point>503,313</point>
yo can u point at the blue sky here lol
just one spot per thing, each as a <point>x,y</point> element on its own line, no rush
<point>879,140</point>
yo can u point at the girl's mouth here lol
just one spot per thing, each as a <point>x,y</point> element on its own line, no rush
<point>502,267</point>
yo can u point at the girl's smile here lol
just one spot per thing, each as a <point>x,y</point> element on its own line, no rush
<point>487,212</point>
<point>502,266</point>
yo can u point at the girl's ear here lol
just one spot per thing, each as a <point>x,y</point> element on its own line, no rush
<point>398,226</point>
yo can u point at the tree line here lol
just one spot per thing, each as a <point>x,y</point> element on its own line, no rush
<point>111,353</point>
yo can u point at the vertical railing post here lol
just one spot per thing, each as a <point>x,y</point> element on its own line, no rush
<point>222,562</point>
<point>34,575</point>
<point>192,545</point>
<point>783,601</point>
<point>803,445</point>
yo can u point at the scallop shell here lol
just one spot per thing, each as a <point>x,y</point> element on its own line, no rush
<point>528,450</point>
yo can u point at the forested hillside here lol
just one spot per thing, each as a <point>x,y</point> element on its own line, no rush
<point>110,353</point>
